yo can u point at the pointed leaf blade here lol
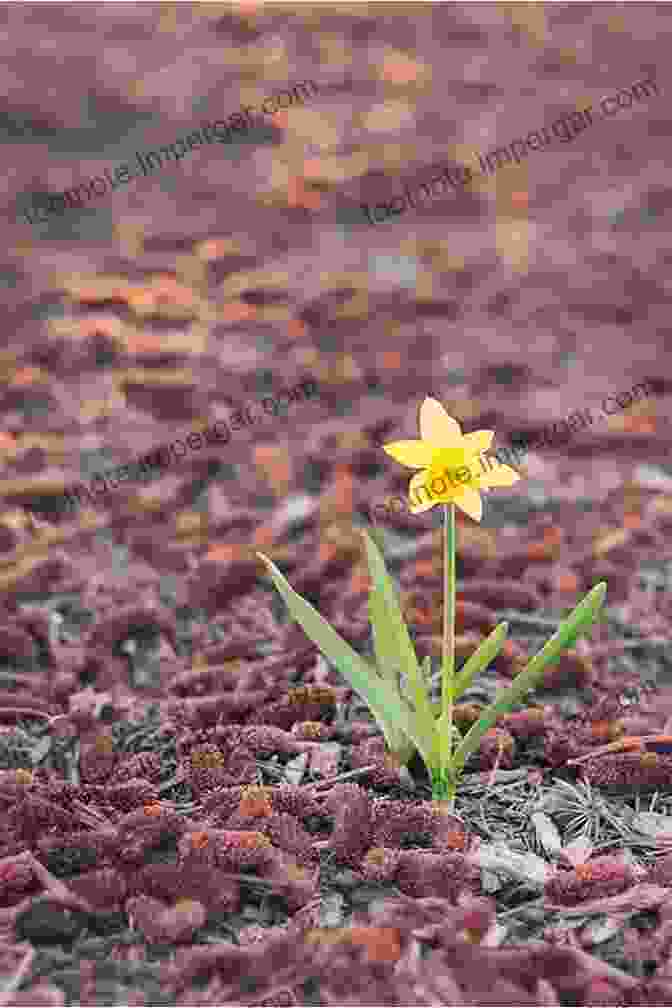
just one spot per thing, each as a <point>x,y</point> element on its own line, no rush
<point>580,629</point>
<point>387,657</point>
<point>386,705</point>
<point>400,638</point>
<point>393,616</point>
<point>387,661</point>
<point>533,672</point>
<point>485,653</point>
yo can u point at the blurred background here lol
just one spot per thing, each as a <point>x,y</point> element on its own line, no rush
<point>245,268</point>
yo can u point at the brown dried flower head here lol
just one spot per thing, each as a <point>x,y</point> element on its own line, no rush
<point>207,757</point>
<point>496,748</point>
<point>104,744</point>
<point>380,864</point>
<point>297,874</point>
<point>376,855</point>
<point>299,695</point>
<point>467,714</point>
<point>186,905</point>
<point>503,739</point>
<point>311,731</point>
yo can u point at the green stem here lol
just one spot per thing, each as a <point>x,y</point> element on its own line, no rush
<point>444,788</point>
<point>448,673</point>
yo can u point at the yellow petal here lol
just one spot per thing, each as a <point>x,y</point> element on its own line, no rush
<point>436,426</point>
<point>500,476</point>
<point>470,502</point>
<point>415,454</point>
<point>478,441</point>
<point>420,496</point>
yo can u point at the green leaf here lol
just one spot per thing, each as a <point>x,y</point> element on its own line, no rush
<point>392,616</point>
<point>387,657</point>
<point>435,711</point>
<point>392,623</point>
<point>486,652</point>
<point>386,704</point>
<point>577,621</point>
<point>579,631</point>
<point>377,534</point>
<point>445,739</point>
<point>388,662</point>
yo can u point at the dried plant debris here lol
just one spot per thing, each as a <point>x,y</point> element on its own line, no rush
<point>195,807</point>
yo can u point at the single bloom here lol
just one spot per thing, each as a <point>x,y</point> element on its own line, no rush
<point>444,451</point>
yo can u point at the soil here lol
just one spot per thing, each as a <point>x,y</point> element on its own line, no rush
<point>195,808</point>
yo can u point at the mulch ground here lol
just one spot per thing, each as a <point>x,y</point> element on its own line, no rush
<point>195,809</point>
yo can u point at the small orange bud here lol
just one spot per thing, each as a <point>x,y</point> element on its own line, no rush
<point>391,360</point>
<point>567,582</point>
<point>25,376</point>
<point>425,568</point>
<point>382,944</point>
<point>553,534</point>
<point>153,809</point>
<point>199,840</point>
<point>455,839</point>
<point>296,328</point>
<point>238,311</point>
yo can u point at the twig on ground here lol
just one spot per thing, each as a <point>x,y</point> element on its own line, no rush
<point>342,777</point>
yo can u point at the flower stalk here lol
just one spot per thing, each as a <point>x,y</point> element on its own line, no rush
<point>448,671</point>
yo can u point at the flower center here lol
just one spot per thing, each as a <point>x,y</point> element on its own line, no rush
<point>451,468</point>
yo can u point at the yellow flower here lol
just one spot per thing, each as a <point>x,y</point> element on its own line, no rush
<point>448,459</point>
